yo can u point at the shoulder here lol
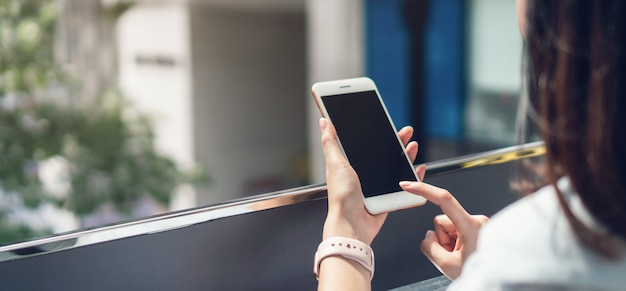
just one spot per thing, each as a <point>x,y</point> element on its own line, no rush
<point>531,241</point>
<point>524,221</point>
<point>519,234</point>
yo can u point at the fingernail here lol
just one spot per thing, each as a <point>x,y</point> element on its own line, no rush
<point>427,233</point>
<point>405,184</point>
<point>323,123</point>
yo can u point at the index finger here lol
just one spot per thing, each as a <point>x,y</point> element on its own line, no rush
<point>442,198</point>
<point>405,134</point>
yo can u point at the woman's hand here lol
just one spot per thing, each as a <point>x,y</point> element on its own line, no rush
<point>456,231</point>
<point>347,215</point>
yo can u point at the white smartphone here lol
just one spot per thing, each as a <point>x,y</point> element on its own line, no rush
<point>369,141</point>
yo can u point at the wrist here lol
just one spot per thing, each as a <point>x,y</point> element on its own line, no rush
<point>344,253</point>
<point>335,226</point>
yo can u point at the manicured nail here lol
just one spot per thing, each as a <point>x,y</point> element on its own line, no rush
<point>405,184</point>
<point>427,233</point>
<point>323,123</point>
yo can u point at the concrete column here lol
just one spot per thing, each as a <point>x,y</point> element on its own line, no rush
<point>336,50</point>
<point>154,60</point>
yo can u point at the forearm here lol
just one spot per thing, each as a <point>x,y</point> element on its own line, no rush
<point>338,273</point>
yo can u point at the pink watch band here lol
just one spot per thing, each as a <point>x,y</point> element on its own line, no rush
<point>345,247</point>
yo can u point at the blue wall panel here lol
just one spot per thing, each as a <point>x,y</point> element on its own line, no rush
<point>387,61</point>
<point>444,69</point>
<point>387,55</point>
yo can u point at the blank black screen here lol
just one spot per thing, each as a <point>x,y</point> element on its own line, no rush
<point>369,141</point>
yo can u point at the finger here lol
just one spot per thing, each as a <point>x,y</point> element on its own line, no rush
<point>421,171</point>
<point>445,231</point>
<point>442,198</point>
<point>411,150</point>
<point>482,219</point>
<point>448,263</point>
<point>405,134</point>
<point>330,145</point>
<point>433,250</point>
<point>411,147</point>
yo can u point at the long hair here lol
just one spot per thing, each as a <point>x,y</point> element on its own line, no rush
<point>576,82</point>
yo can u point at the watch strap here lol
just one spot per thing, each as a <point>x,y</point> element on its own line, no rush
<point>345,247</point>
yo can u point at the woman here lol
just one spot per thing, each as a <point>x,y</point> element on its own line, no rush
<point>568,235</point>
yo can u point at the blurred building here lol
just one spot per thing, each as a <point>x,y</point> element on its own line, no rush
<point>226,84</point>
<point>87,45</point>
<point>227,81</point>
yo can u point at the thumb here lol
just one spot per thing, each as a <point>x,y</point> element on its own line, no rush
<point>431,247</point>
<point>439,256</point>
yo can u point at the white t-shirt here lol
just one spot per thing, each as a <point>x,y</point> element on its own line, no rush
<point>530,246</point>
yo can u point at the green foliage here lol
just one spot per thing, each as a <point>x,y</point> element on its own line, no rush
<point>107,145</point>
<point>26,40</point>
<point>111,156</point>
<point>10,232</point>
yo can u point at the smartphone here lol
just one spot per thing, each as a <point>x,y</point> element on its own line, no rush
<point>369,141</point>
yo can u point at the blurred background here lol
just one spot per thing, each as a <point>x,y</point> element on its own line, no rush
<point>112,110</point>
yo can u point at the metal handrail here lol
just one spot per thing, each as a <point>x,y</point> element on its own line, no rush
<point>251,204</point>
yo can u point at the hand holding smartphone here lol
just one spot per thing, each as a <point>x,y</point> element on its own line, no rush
<point>370,142</point>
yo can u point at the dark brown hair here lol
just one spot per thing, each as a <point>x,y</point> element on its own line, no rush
<point>576,81</point>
